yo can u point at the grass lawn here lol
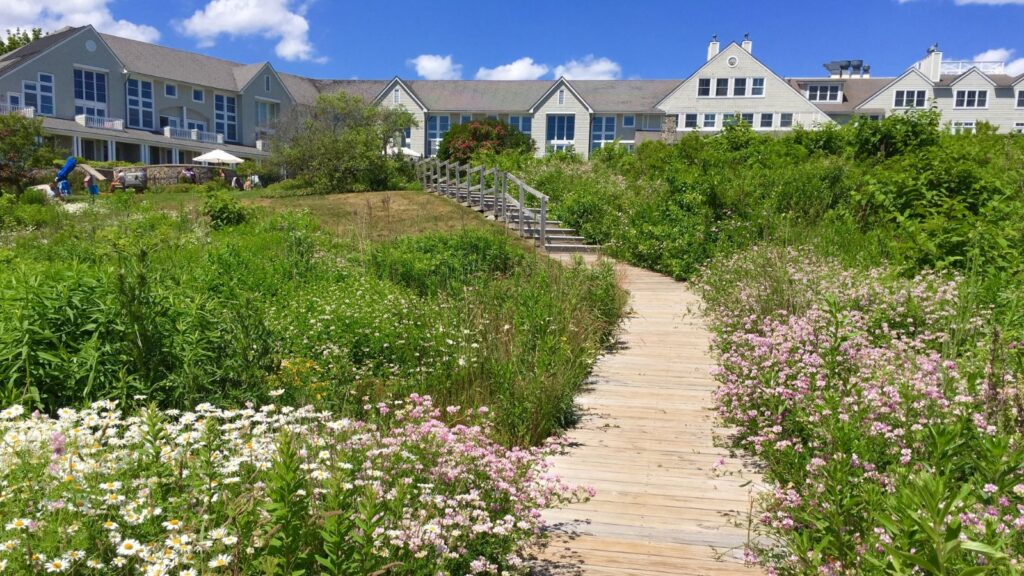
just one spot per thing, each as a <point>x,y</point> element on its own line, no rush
<point>358,216</point>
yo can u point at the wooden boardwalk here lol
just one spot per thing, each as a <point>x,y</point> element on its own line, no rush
<point>665,504</point>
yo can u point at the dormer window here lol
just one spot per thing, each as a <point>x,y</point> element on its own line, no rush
<point>823,93</point>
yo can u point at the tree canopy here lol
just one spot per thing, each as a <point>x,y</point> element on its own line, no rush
<point>21,149</point>
<point>339,144</point>
<point>465,140</point>
<point>18,38</point>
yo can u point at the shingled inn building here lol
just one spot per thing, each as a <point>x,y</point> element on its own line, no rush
<point>103,97</point>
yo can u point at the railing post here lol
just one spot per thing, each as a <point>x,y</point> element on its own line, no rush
<point>522,208</point>
<point>504,190</point>
<point>543,222</point>
<point>458,179</point>
<point>447,175</point>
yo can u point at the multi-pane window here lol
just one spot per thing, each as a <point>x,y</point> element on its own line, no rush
<point>171,121</point>
<point>396,96</point>
<point>561,132</point>
<point>722,87</point>
<point>709,121</point>
<point>602,132</point>
<point>767,119</point>
<point>823,93</point>
<point>728,119</point>
<point>964,127</point>
<point>757,86</point>
<point>1020,98</point>
<point>195,125</point>
<point>266,113</point>
<point>522,123</point>
<point>690,121</point>
<point>140,103</point>
<point>1018,127</point>
<point>407,138</point>
<point>39,94</point>
<point>704,87</point>
<point>739,86</point>
<point>909,99</point>
<point>225,116</point>
<point>971,99</point>
<point>561,97</point>
<point>650,122</point>
<point>437,127</point>
<point>90,93</point>
<point>786,120</point>
<point>748,118</point>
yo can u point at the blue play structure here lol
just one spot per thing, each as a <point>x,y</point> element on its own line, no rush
<point>62,176</point>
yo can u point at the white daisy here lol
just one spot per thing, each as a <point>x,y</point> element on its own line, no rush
<point>129,547</point>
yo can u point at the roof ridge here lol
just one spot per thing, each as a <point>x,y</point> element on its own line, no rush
<point>161,46</point>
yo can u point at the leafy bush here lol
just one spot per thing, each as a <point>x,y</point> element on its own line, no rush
<point>33,197</point>
<point>482,136</point>
<point>223,209</point>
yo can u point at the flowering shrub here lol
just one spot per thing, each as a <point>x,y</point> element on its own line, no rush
<point>274,490</point>
<point>887,414</point>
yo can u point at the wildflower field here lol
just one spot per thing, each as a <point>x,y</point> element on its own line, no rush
<point>232,390</point>
<point>864,286</point>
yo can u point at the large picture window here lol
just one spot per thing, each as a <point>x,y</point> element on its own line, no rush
<point>561,133</point>
<point>437,127</point>
<point>603,131</point>
<point>40,94</point>
<point>140,104</point>
<point>522,123</point>
<point>266,113</point>
<point>225,116</point>
<point>90,93</point>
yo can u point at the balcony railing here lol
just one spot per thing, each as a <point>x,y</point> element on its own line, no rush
<point>961,66</point>
<point>100,122</point>
<point>26,111</point>
<point>197,135</point>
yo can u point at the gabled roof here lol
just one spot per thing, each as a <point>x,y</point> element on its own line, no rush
<point>563,81</point>
<point>187,67</point>
<point>911,70</point>
<point>721,54</point>
<point>368,90</point>
<point>303,90</point>
<point>855,91</point>
<point>624,95</point>
<point>396,81</point>
<point>478,95</point>
<point>246,73</point>
<point>15,58</point>
<point>972,71</point>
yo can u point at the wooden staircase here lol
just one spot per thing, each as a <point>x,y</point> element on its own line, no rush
<point>503,197</point>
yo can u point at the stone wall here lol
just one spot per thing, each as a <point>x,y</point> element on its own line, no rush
<point>168,174</point>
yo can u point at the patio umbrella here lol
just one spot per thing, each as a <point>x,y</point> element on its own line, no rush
<point>218,157</point>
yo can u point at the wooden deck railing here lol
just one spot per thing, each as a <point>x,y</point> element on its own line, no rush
<point>522,208</point>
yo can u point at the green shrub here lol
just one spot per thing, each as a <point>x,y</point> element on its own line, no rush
<point>34,197</point>
<point>482,136</point>
<point>223,209</point>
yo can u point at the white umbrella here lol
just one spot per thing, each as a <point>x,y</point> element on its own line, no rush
<point>391,151</point>
<point>218,157</point>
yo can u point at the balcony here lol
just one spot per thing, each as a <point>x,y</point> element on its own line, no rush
<point>26,111</point>
<point>957,67</point>
<point>100,122</point>
<point>195,135</point>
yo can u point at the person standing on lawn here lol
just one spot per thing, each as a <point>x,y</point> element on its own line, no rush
<point>91,187</point>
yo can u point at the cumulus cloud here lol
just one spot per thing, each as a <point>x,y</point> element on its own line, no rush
<point>521,69</point>
<point>1013,66</point>
<point>589,68</point>
<point>55,14</point>
<point>436,67</point>
<point>282,20</point>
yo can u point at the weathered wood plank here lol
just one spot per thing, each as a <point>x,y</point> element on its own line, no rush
<point>668,500</point>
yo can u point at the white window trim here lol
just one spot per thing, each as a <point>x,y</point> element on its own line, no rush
<point>152,100</point>
<point>39,93</point>
<point>915,106</point>
<point>1019,103</point>
<point>1018,127</point>
<point>226,114</point>
<point>18,95</point>
<point>396,96</point>
<point>465,118</point>
<point>90,68</point>
<point>629,121</point>
<point>697,120</point>
<point>168,85</point>
<point>731,87</point>
<point>964,126</point>
<point>760,120</point>
<point>703,121</point>
<point>839,94</point>
<point>965,90</point>
<point>201,91</point>
<point>561,97</point>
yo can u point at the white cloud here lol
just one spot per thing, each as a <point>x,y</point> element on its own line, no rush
<point>1012,67</point>
<point>275,19</point>
<point>989,2</point>
<point>521,69</point>
<point>55,14</point>
<point>436,67</point>
<point>589,68</point>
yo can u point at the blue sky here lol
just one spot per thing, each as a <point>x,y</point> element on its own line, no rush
<point>543,39</point>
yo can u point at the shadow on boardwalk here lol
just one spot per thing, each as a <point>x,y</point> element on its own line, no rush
<point>668,500</point>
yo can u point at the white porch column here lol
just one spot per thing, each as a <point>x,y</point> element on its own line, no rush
<point>76,146</point>
<point>174,156</point>
<point>144,153</point>
<point>111,150</point>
